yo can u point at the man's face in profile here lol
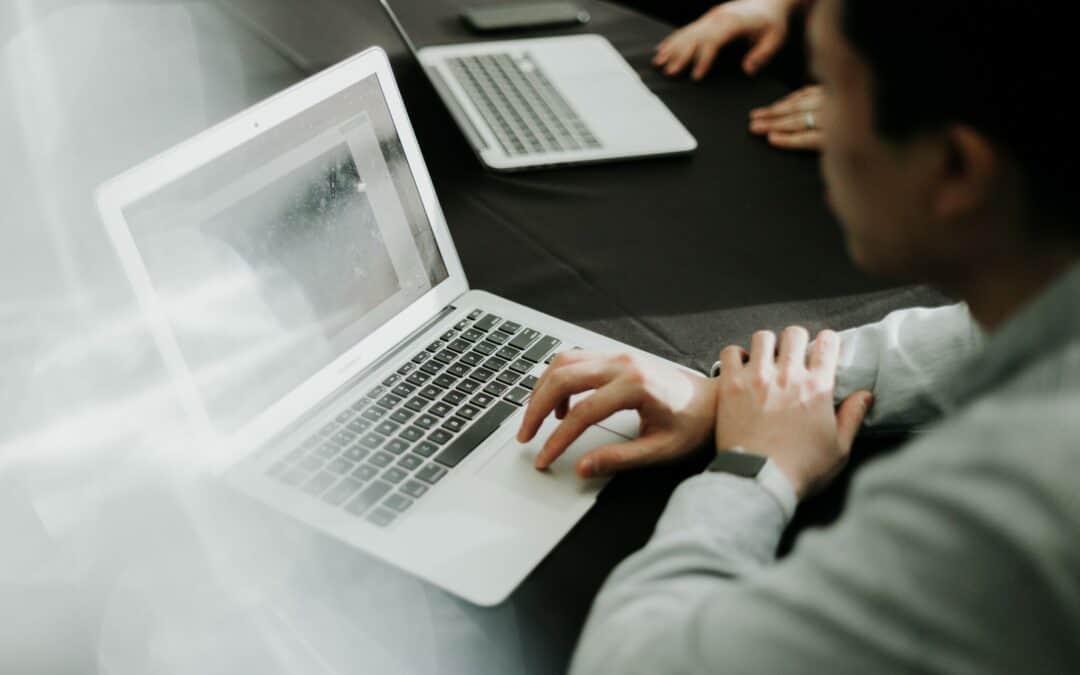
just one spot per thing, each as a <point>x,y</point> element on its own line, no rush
<point>882,191</point>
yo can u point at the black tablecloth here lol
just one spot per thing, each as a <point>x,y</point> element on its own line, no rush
<point>677,256</point>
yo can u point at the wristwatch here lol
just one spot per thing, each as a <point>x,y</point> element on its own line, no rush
<point>738,462</point>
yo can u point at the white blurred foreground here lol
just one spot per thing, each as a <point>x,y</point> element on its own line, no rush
<point>120,553</point>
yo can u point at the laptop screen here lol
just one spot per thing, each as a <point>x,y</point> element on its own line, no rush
<point>275,258</point>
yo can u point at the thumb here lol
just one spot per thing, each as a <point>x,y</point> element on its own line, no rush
<point>616,457</point>
<point>764,50</point>
<point>850,417</point>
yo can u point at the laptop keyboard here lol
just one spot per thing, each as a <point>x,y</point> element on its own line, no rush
<point>523,109</point>
<point>389,447</point>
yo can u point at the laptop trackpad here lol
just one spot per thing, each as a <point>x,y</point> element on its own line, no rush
<point>557,487</point>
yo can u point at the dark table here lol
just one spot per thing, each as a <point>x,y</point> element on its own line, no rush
<point>677,256</point>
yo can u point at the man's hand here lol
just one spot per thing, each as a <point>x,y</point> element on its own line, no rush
<point>780,404</point>
<point>764,23</point>
<point>793,122</point>
<point>676,409</point>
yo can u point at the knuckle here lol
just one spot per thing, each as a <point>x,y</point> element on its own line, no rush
<point>813,388</point>
<point>730,386</point>
<point>559,380</point>
<point>827,337</point>
<point>635,377</point>
<point>825,385</point>
<point>731,351</point>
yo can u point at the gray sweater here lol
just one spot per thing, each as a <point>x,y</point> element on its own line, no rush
<point>959,553</point>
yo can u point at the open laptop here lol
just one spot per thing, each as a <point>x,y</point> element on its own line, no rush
<point>304,291</point>
<point>530,103</point>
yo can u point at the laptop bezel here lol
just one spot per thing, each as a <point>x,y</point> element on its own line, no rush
<point>128,188</point>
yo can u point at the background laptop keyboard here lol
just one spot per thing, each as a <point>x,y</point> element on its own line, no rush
<point>387,448</point>
<point>520,105</point>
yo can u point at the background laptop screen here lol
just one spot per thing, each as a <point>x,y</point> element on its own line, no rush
<point>274,259</point>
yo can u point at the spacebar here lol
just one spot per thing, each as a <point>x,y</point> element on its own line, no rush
<point>475,435</point>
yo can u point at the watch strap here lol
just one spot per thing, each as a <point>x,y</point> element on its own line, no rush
<point>764,471</point>
<point>738,462</point>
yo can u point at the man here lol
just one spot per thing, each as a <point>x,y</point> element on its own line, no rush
<point>961,552</point>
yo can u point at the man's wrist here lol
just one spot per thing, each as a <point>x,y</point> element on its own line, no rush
<point>779,486</point>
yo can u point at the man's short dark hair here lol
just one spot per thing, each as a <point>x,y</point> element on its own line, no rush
<point>1004,67</point>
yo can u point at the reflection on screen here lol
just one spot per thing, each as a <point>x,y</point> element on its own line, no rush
<point>278,257</point>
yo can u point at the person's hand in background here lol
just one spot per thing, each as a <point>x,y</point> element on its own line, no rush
<point>780,404</point>
<point>763,23</point>
<point>793,122</point>
<point>677,409</point>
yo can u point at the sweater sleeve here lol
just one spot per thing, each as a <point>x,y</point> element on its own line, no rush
<point>955,557</point>
<point>901,357</point>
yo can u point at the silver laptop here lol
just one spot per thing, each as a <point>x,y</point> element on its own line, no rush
<point>304,291</point>
<point>530,103</point>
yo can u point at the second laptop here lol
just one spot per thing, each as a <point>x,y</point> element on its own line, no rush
<point>531,103</point>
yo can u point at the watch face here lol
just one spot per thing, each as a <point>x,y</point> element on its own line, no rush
<point>742,464</point>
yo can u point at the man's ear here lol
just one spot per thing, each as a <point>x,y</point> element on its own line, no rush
<point>973,175</point>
